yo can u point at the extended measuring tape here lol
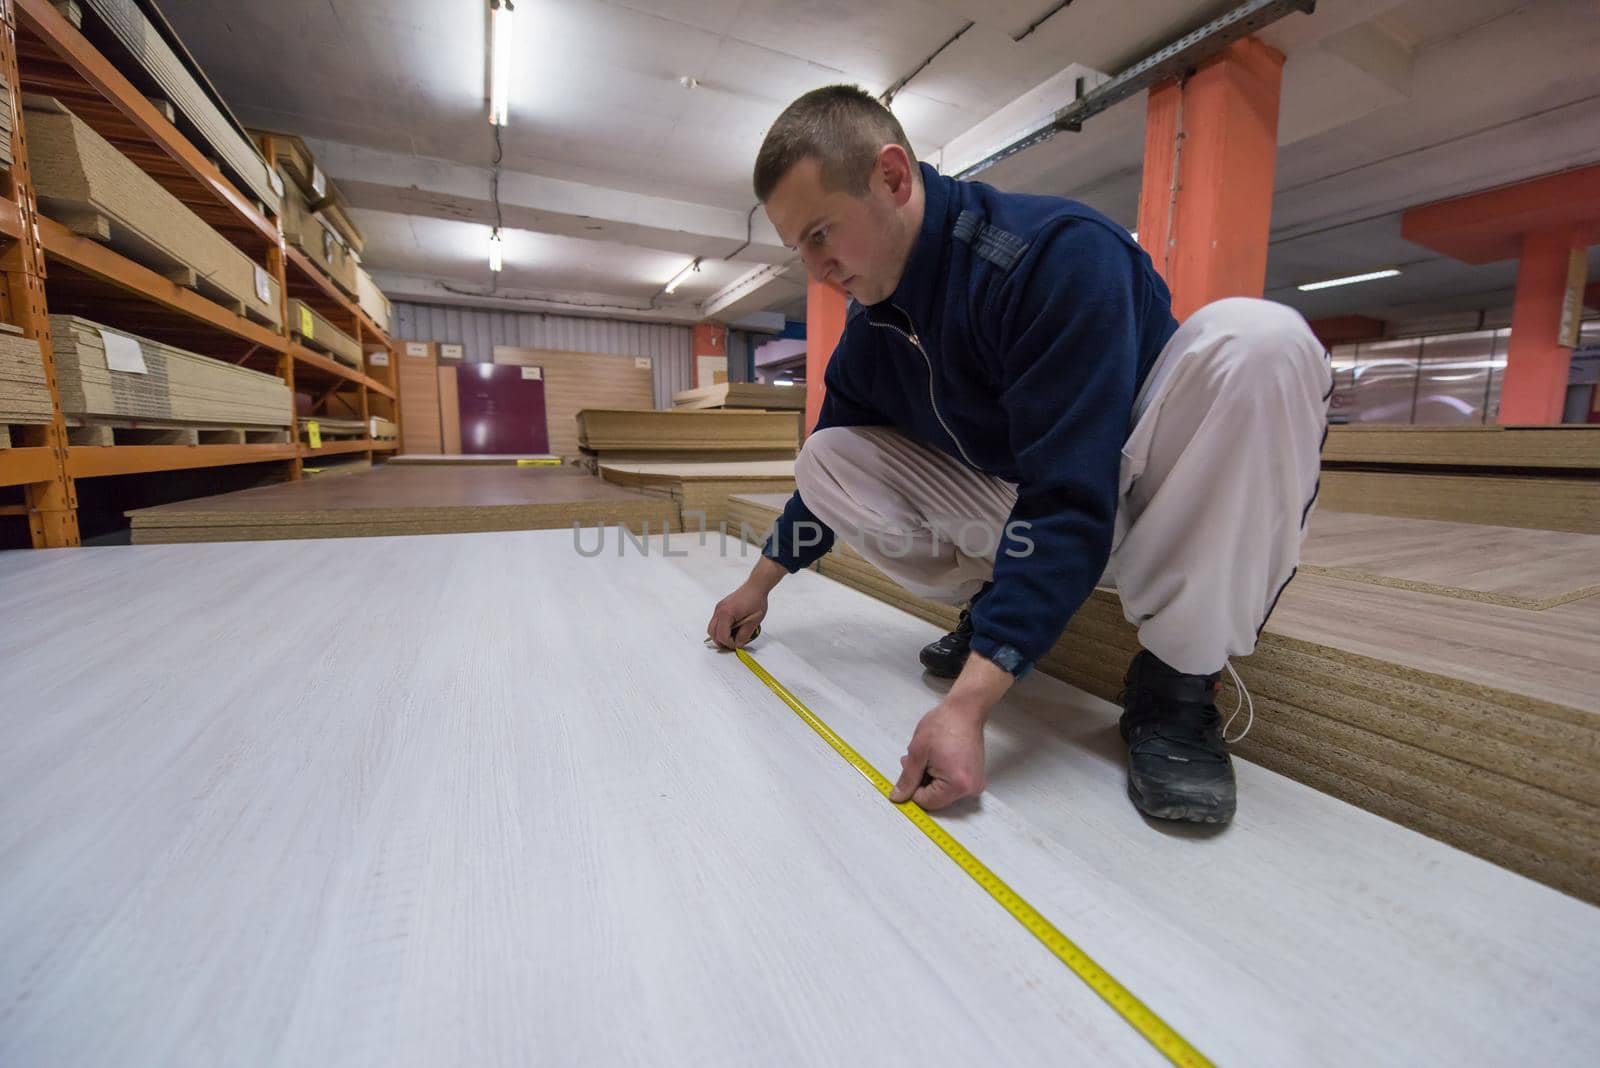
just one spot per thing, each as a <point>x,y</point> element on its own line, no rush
<point>1172,1045</point>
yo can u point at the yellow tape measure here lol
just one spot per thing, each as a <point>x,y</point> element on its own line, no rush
<point>542,462</point>
<point>1171,1044</point>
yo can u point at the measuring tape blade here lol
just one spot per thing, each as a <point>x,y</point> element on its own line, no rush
<point>1157,1031</point>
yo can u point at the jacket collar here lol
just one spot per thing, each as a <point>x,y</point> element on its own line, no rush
<point>920,281</point>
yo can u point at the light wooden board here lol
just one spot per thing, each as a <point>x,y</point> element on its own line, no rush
<point>601,430</point>
<point>574,381</point>
<point>1502,565</point>
<point>421,429</point>
<point>414,850</point>
<point>1570,504</point>
<point>1468,446</point>
<point>742,395</point>
<point>312,327</point>
<point>449,409</point>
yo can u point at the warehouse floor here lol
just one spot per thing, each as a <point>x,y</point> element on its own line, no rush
<point>486,797</point>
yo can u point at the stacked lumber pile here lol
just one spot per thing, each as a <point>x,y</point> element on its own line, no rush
<point>756,395</point>
<point>24,393</point>
<point>1545,478</point>
<point>332,429</point>
<point>701,490</point>
<point>373,302</point>
<point>1475,723</point>
<point>315,331</point>
<point>176,387</point>
<point>381,429</point>
<point>85,184</point>
<point>687,436</point>
<point>8,123</point>
<point>316,218</point>
<point>394,499</point>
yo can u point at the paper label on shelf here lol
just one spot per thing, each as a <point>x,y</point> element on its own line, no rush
<point>534,373</point>
<point>123,354</point>
<point>308,325</point>
<point>319,182</point>
<point>263,286</point>
<point>642,362</point>
<point>314,433</point>
<point>378,359</point>
<point>417,348</point>
<point>452,352</point>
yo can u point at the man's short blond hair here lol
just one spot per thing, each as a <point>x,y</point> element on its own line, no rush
<point>842,127</point>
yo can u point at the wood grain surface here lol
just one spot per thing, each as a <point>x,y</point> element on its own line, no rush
<point>522,835</point>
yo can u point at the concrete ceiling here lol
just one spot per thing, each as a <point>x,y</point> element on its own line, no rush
<point>615,175</point>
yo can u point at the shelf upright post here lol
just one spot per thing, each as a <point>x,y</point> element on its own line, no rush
<point>52,506</point>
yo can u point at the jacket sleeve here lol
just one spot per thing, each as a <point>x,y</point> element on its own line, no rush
<point>799,538</point>
<point>1067,347</point>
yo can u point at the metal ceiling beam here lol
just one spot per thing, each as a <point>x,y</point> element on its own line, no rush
<point>1172,61</point>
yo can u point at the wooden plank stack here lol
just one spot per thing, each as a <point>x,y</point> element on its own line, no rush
<point>1477,724</point>
<point>701,490</point>
<point>316,237</point>
<point>85,184</point>
<point>421,430</point>
<point>8,123</point>
<point>24,393</point>
<point>373,302</point>
<point>395,499</point>
<point>316,332</point>
<point>756,395</point>
<point>179,388</point>
<point>1545,478</point>
<point>330,429</point>
<point>381,429</point>
<point>688,436</point>
<point>574,381</point>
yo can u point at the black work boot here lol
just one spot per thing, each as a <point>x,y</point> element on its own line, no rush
<point>1178,767</point>
<point>947,656</point>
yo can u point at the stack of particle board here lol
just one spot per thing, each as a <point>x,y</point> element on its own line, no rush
<point>688,436</point>
<point>1538,477</point>
<point>373,302</point>
<point>176,387</point>
<point>170,78</point>
<point>1417,696</point>
<point>296,163</point>
<point>84,183</point>
<point>311,327</point>
<point>701,490</point>
<point>333,429</point>
<point>24,393</point>
<point>396,499</point>
<point>381,429</point>
<point>316,237</point>
<point>8,122</point>
<point>742,395</point>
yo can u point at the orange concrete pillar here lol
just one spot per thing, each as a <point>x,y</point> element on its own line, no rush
<point>1537,363</point>
<point>709,339</point>
<point>825,311</point>
<point>1210,147</point>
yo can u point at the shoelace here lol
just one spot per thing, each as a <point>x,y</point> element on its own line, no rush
<point>1244,699</point>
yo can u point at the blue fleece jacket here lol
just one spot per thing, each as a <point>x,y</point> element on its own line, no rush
<point>1016,342</point>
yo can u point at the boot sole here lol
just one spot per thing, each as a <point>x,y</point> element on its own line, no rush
<point>941,670</point>
<point>1186,812</point>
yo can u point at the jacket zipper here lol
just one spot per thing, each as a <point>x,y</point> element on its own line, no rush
<point>932,400</point>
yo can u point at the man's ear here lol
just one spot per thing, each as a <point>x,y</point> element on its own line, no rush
<point>898,172</point>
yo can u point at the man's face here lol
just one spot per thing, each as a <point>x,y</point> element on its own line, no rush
<point>858,243</point>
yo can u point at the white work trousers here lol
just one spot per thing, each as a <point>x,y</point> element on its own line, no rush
<point>1218,477</point>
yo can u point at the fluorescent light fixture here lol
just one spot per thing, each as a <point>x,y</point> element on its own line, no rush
<point>1350,280</point>
<point>783,382</point>
<point>499,61</point>
<point>496,258</point>
<point>677,279</point>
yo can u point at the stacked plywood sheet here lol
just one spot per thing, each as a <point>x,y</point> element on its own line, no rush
<point>176,387</point>
<point>742,395</point>
<point>316,237</point>
<point>8,122</point>
<point>701,490</point>
<point>409,500</point>
<point>372,301</point>
<point>84,183</point>
<point>295,161</point>
<point>1476,723</point>
<point>1536,477</point>
<point>381,429</point>
<point>313,328</point>
<point>24,393</point>
<point>145,43</point>
<point>688,436</point>
<point>329,429</point>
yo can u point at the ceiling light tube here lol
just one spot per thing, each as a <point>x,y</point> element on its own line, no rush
<point>499,61</point>
<point>1349,280</point>
<point>677,279</point>
<point>496,258</point>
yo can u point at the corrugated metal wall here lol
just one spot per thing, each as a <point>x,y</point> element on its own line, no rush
<point>481,329</point>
